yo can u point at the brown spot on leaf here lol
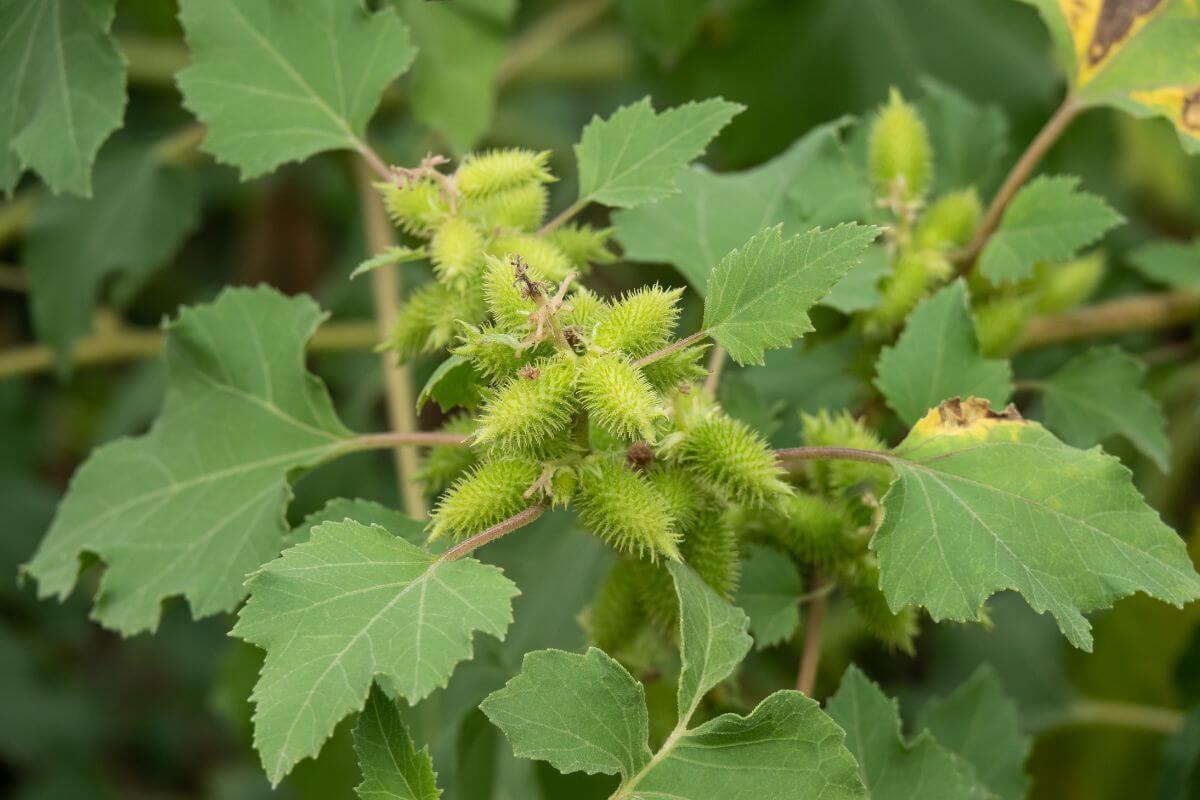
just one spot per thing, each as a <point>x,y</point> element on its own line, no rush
<point>959,413</point>
<point>1116,21</point>
<point>1189,114</point>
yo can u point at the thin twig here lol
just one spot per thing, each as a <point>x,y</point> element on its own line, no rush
<point>794,454</point>
<point>686,341</point>
<point>518,520</point>
<point>374,161</point>
<point>385,293</point>
<point>1020,172</point>
<point>1086,711</point>
<point>810,657</point>
<point>716,361</point>
<point>1123,315</point>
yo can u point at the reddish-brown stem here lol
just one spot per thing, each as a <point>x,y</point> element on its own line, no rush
<point>686,341</point>
<point>810,657</point>
<point>518,520</point>
<point>1020,172</point>
<point>790,454</point>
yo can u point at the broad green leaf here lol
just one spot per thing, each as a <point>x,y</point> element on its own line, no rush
<point>1175,264</point>
<point>389,258</point>
<point>452,385</point>
<point>979,724</point>
<point>580,713</point>
<point>198,502</point>
<point>890,766</point>
<point>460,46</point>
<point>937,357</point>
<point>712,637</point>
<point>63,90</point>
<point>392,767</point>
<point>859,290</point>
<point>276,84</point>
<point>714,213</point>
<point>1142,56</point>
<point>769,592</point>
<point>138,216</point>
<point>986,502</point>
<point>352,604</point>
<point>636,155</point>
<point>969,140</point>
<point>759,295</point>
<point>666,26</point>
<point>1100,393</point>
<point>366,512</point>
<point>1048,220</point>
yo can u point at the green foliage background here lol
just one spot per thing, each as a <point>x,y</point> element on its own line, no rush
<point>84,713</point>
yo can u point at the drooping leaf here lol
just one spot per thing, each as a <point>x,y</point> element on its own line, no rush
<point>969,140</point>
<point>636,155</point>
<point>713,213</point>
<point>1100,393</point>
<point>890,766</point>
<point>352,604</point>
<point>985,502</point>
<point>63,90</point>
<point>937,357</point>
<point>1175,264</point>
<point>580,713</point>
<point>758,296</point>
<point>276,84</point>
<point>136,219</point>
<point>452,385</point>
<point>769,592</point>
<point>460,47</point>
<point>668,26</point>
<point>1142,56</point>
<point>979,724</point>
<point>392,767</point>
<point>367,512</point>
<point>198,502</point>
<point>1048,220</point>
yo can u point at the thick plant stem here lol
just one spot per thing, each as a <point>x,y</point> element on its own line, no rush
<point>518,520</point>
<point>1136,313</point>
<point>810,656</point>
<point>1020,173</point>
<point>686,341</point>
<point>385,292</point>
<point>1109,713</point>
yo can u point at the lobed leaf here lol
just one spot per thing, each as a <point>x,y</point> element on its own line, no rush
<point>392,767</point>
<point>354,604</point>
<point>759,295</point>
<point>198,502</point>
<point>275,84</point>
<point>985,502</point>
<point>636,155</point>
<point>937,357</point>
<point>769,592</point>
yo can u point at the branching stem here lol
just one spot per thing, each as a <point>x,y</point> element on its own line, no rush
<point>518,520</point>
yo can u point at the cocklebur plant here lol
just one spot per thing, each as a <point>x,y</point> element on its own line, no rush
<point>908,505</point>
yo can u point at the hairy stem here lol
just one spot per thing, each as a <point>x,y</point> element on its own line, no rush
<point>794,454</point>
<point>1020,172</point>
<point>810,656</point>
<point>1086,711</point>
<point>686,341</point>
<point>565,215</point>
<point>385,292</point>
<point>1136,313</point>
<point>389,439</point>
<point>518,520</point>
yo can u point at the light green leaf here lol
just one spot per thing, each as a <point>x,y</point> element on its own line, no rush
<point>137,218</point>
<point>769,592</point>
<point>63,91</point>
<point>969,140</point>
<point>392,767</point>
<point>666,26</point>
<point>986,502</point>
<point>636,155</point>
<point>979,724</point>
<point>890,766</point>
<point>1100,393</point>
<point>460,46</point>
<point>276,84</point>
<point>366,512</point>
<point>453,384</point>
<point>352,604</point>
<point>712,637</point>
<point>1142,57</point>
<point>937,357</point>
<point>580,713</point>
<point>759,295</point>
<point>1175,264</point>
<point>714,213</point>
<point>198,502</point>
<point>389,258</point>
<point>1048,220</point>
